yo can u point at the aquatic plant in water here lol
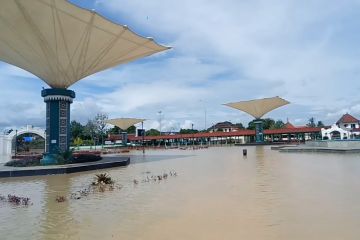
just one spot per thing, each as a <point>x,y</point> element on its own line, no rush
<point>16,200</point>
<point>60,199</point>
<point>102,179</point>
<point>155,178</point>
<point>103,182</point>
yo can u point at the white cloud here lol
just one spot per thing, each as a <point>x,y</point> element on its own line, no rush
<point>82,111</point>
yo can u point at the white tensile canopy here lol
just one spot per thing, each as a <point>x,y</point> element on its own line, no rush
<point>62,43</point>
<point>258,107</point>
<point>124,123</point>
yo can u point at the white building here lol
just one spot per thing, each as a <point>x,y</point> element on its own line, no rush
<point>224,127</point>
<point>7,140</point>
<point>347,127</point>
<point>348,122</point>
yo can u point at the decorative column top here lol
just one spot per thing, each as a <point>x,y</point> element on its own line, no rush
<point>62,94</point>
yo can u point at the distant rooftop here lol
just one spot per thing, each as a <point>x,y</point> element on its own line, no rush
<point>288,125</point>
<point>347,118</point>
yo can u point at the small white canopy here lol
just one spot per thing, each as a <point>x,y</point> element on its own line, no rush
<point>258,107</point>
<point>62,43</point>
<point>124,123</point>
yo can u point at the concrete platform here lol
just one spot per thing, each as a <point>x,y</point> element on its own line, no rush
<point>106,162</point>
<point>282,146</point>
<point>329,146</point>
<point>264,144</point>
<point>319,149</point>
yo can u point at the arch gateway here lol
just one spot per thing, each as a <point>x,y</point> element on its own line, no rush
<point>6,140</point>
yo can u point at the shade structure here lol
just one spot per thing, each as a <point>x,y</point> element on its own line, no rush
<point>62,43</point>
<point>258,107</point>
<point>124,123</point>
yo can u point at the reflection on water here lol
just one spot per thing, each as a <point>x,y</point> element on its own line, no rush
<point>218,194</point>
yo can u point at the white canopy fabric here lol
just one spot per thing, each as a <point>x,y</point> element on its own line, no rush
<point>258,107</point>
<point>124,123</point>
<point>62,43</point>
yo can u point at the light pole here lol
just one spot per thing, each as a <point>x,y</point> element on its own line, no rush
<point>15,141</point>
<point>205,113</point>
<point>205,119</point>
<point>192,131</point>
<point>143,135</point>
<point>160,112</point>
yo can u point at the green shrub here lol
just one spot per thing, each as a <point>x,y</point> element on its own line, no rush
<point>27,162</point>
<point>63,158</point>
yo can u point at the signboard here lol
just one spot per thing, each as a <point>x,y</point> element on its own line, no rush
<point>28,139</point>
<point>140,132</point>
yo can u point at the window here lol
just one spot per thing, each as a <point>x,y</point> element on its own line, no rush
<point>353,125</point>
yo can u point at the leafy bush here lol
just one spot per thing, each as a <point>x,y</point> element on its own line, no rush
<point>26,162</point>
<point>66,157</point>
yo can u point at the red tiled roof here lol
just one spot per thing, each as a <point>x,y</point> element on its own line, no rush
<point>288,125</point>
<point>347,118</point>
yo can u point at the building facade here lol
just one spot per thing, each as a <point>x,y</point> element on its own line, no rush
<point>347,127</point>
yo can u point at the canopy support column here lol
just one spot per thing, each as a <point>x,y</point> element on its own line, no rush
<point>259,131</point>
<point>58,133</point>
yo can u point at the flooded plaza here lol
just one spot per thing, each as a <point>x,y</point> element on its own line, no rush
<point>217,194</point>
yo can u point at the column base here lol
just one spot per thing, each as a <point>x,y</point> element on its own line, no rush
<point>49,159</point>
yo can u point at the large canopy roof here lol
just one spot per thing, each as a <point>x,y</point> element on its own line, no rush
<point>258,107</point>
<point>124,123</point>
<point>62,43</point>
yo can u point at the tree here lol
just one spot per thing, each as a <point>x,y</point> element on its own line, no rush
<point>131,130</point>
<point>90,130</point>
<point>188,131</point>
<point>78,141</point>
<point>152,132</point>
<point>311,122</point>
<point>278,125</point>
<point>100,123</point>
<point>77,130</point>
<point>320,124</point>
<point>267,123</point>
<point>117,130</point>
<point>114,130</point>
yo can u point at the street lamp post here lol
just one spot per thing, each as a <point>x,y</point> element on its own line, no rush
<point>143,136</point>
<point>16,142</point>
<point>160,112</point>
<point>192,131</point>
<point>205,119</point>
<point>205,113</point>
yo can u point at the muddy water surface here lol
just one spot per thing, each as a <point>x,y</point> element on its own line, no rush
<point>218,194</point>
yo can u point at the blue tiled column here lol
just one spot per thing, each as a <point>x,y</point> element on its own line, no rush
<point>259,131</point>
<point>58,132</point>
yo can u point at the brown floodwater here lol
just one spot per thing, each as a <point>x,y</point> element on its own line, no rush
<point>217,194</point>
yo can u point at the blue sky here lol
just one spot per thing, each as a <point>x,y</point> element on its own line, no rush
<point>223,51</point>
